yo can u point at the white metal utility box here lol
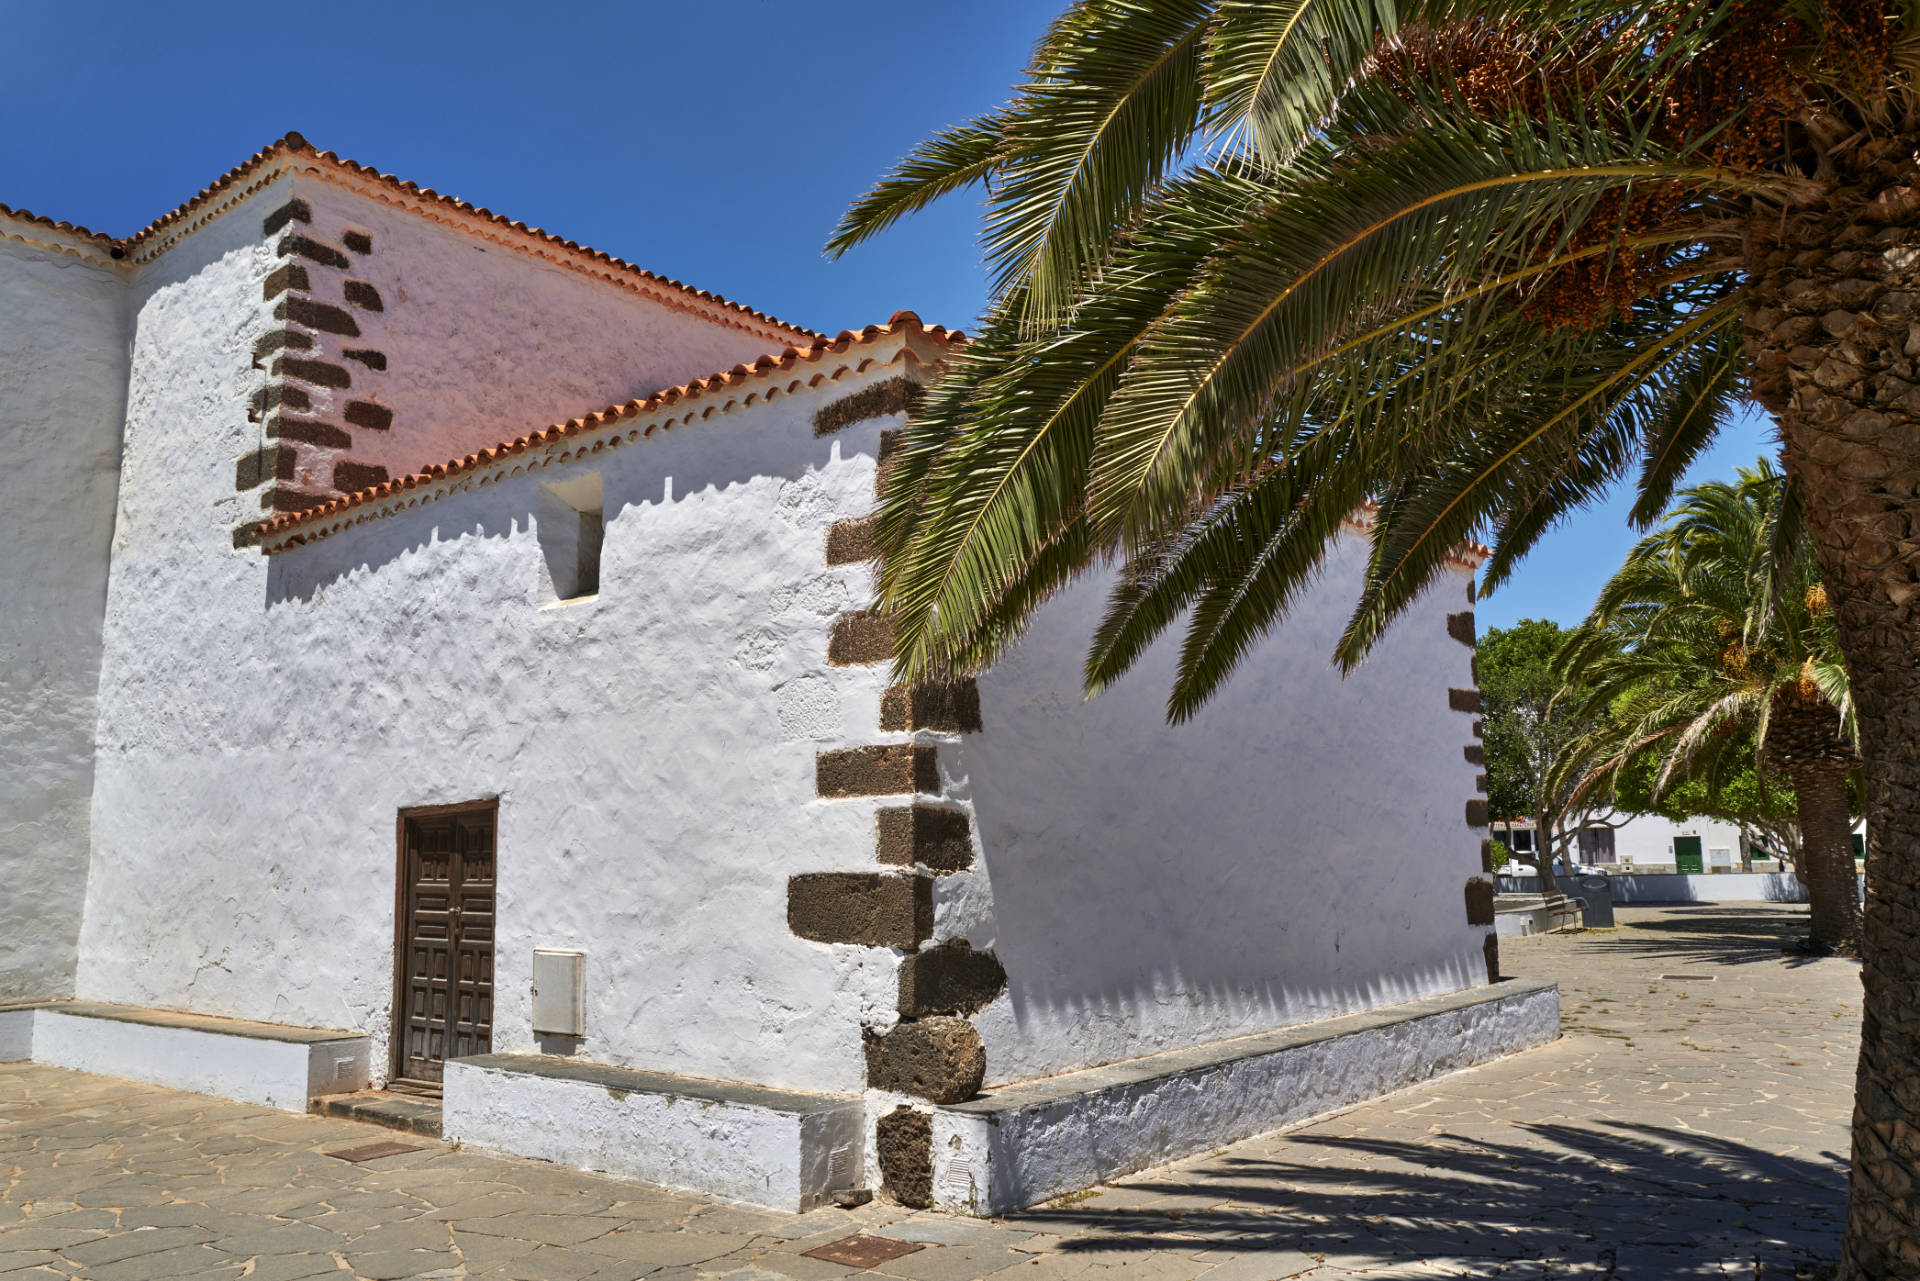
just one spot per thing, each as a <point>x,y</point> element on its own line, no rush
<point>559,992</point>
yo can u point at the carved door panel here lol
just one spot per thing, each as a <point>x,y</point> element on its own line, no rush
<point>446,939</point>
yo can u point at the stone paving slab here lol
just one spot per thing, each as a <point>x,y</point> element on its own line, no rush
<point>1680,1129</point>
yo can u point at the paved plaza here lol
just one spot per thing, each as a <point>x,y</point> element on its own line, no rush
<point>1692,1122</point>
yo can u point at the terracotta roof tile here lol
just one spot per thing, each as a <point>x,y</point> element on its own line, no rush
<point>901,322</point>
<point>1465,555</point>
<point>71,228</point>
<point>294,144</point>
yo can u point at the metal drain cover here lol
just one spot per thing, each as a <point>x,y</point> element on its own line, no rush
<point>861,1251</point>
<point>374,1151</point>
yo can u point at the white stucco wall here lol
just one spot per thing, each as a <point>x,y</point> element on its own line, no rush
<point>1297,850</point>
<point>175,582</point>
<point>652,749</point>
<point>63,372</point>
<point>484,342</point>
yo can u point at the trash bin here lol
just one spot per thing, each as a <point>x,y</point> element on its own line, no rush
<point>1597,892</point>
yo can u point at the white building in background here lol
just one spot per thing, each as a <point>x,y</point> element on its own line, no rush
<point>1649,842</point>
<point>1652,843</point>
<point>437,655</point>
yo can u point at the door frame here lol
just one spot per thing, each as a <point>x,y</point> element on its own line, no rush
<point>397,1015</point>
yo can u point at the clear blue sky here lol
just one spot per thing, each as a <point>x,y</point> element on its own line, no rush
<point>716,142</point>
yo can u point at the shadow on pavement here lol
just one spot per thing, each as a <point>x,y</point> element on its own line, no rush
<point>1606,1199</point>
<point>1713,934</point>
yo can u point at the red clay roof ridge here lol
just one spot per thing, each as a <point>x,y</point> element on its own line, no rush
<point>1466,554</point>
<point>905,323</point>
<point>295,144</point>
<point>70,228</point>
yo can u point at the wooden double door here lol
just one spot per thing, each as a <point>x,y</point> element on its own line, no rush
<point>444,1002</point>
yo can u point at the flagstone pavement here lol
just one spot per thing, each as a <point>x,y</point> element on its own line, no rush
<point>1683,1127</point>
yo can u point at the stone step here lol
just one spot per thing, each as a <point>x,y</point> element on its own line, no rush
<point>414,1113</point>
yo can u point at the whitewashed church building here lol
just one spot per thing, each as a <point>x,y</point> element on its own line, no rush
<point>438,656</point>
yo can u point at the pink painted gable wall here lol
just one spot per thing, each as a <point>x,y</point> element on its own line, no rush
<point>486,333</point>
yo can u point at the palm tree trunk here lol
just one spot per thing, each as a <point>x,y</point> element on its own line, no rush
<point>1835,309</point>
<point>1826,856</point>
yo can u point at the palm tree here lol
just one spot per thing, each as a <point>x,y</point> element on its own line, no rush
<point>1258,261</point>
<point>1703,654</point>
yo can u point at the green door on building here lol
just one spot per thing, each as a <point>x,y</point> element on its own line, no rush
<point>1686,854</point>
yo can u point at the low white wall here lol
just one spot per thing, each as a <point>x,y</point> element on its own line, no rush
<point>63,381</point>
<point>1298,850</point>
<point>786,1158</point>
<point>1674,887</point>
<point>1001,1154</point>
<point>275,1074</point>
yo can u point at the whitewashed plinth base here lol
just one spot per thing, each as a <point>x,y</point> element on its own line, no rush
<point>777,1148</point>
<point>264,1063</point>
<point>1025,1143</point>
<point>16,1034</point>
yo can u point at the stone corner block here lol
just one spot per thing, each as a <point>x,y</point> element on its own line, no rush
<point>892,769</point>
<point>860,638</point>
<point>1479,900</point>
<point>1460,627</point>
<point>900,395</point>
<point>1464,700</point>
<point>850,541</point>
<point>870,909</point>
<point>939,1059</point>
<point>892,443</point>
<point>952,706</point>
<point>1477,815</point>
<point>950,979</point>
<point>931,836</point>
<point>903,1142</point>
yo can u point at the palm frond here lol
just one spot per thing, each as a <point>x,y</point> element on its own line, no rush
<point>948,162</point>
<point>1277,67</point>
<point>1422,218</point>
<point>1111,104</point>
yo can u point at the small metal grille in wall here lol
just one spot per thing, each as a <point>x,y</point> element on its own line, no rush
<point>959,1177</point>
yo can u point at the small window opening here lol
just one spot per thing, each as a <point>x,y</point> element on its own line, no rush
<point>586,581</point>
<point>571,532</point>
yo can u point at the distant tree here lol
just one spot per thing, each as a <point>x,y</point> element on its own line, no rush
<point>1712,651</point>
<point>1526,727</point>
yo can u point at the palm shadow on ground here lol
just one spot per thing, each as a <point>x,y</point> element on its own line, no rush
<point>1715,934</point>
<point>1605,1199</point>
